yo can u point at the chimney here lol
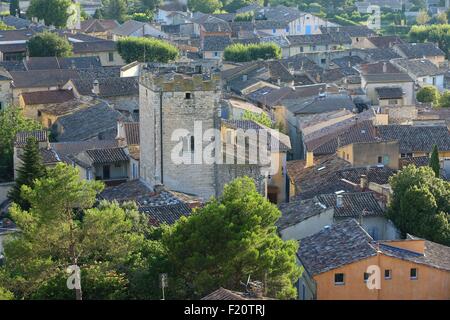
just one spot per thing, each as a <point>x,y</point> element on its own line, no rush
<point>339,201</point>
<point>95,87</point>
<point>244,77</point>
<point>255,289</point>
<point>364,182</point>
<point>384,67</point>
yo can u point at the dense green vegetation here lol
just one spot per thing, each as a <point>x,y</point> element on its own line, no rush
<point>240,53</point>
<point>420,204</point>
<point>146,49</point>
<point>11,122</point>
<point>49,44</point>
<point>438,33</point>
<point>31,169</point>
<point>121,257</point>
<point>53,12</point>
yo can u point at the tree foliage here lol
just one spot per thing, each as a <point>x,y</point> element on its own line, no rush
<point>261,118</point>
<point>436,33</point>
<point>32,168</point>
<point>53,12</point>
<point>205,6</point>
<point>114,9</point>
<point>48,44</point>
<point>151,4</point>
<point>11,122</point>
<point>6,294</point>
<point>444,99</point>
<point>245,16</point>
<point>4,26</point>
<point>434,161</point>
<point>238,52</point>
<point>428,94</point>
<point>229,239</point>
<point>14,7</point>
<point>420,204</point>
<point>65,230</point>
<point>146,49</point>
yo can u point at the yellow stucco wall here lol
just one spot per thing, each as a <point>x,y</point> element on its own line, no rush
<point>431,283</point>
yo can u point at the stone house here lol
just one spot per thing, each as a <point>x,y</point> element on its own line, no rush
<point>425,50</point>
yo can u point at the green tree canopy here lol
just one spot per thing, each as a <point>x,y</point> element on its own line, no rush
<point>14,7</point>
<point>114,9</point>
<point>238,52</point>
<point>444,100</point>
<point>11,122</point>
<point>229,239</point>
<point>261,118</point>
<point>151,4</point>
<point>434,161</point>
<point>49,44</point>
<point>6,294</point>
<point>146,49</point>
<point>32,168</point>
<point>53,12</point>
<point>205,6</point>
<point>428,94</point>
<point>65,230</point>
<point>420,204</point>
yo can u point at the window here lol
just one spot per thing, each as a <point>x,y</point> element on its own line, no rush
<point>387,274</point>
<point>39,113</point>
<point>287,29</point>
<point>216,53</point>
<point>392,101</point>
<point>366,276</point>
<point>323,61</point>
<point>338,278</point>
<point>413,274</point>
<point>192,144</point>
<point>380,159</point>
<point>111,56</point>
<point>301,49</point>
<point>188,95</point>
<point>274,30</point>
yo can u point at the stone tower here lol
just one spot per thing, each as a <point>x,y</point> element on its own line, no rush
<point>170,101</point>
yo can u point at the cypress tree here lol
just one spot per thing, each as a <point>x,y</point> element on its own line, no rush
<point>31,169</point>
<point>434,161</point>
<point>14,7</point>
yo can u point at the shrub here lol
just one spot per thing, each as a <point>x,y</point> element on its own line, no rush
<point>146,50</point>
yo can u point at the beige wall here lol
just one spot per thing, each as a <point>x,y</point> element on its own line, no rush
<point>365,154</point>
<point>104,58</point>
<point>309,226</point>
<point>431,283</point>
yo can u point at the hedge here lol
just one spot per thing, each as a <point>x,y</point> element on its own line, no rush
<point>146,50</point>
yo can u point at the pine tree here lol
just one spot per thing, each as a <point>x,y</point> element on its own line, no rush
<point>31,169</point>
<point>434,161</point>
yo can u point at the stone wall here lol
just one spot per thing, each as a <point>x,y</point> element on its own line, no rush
<point>173,105</point>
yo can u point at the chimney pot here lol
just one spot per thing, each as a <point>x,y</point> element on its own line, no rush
<point>364,182</point>
<point>339,201</point>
